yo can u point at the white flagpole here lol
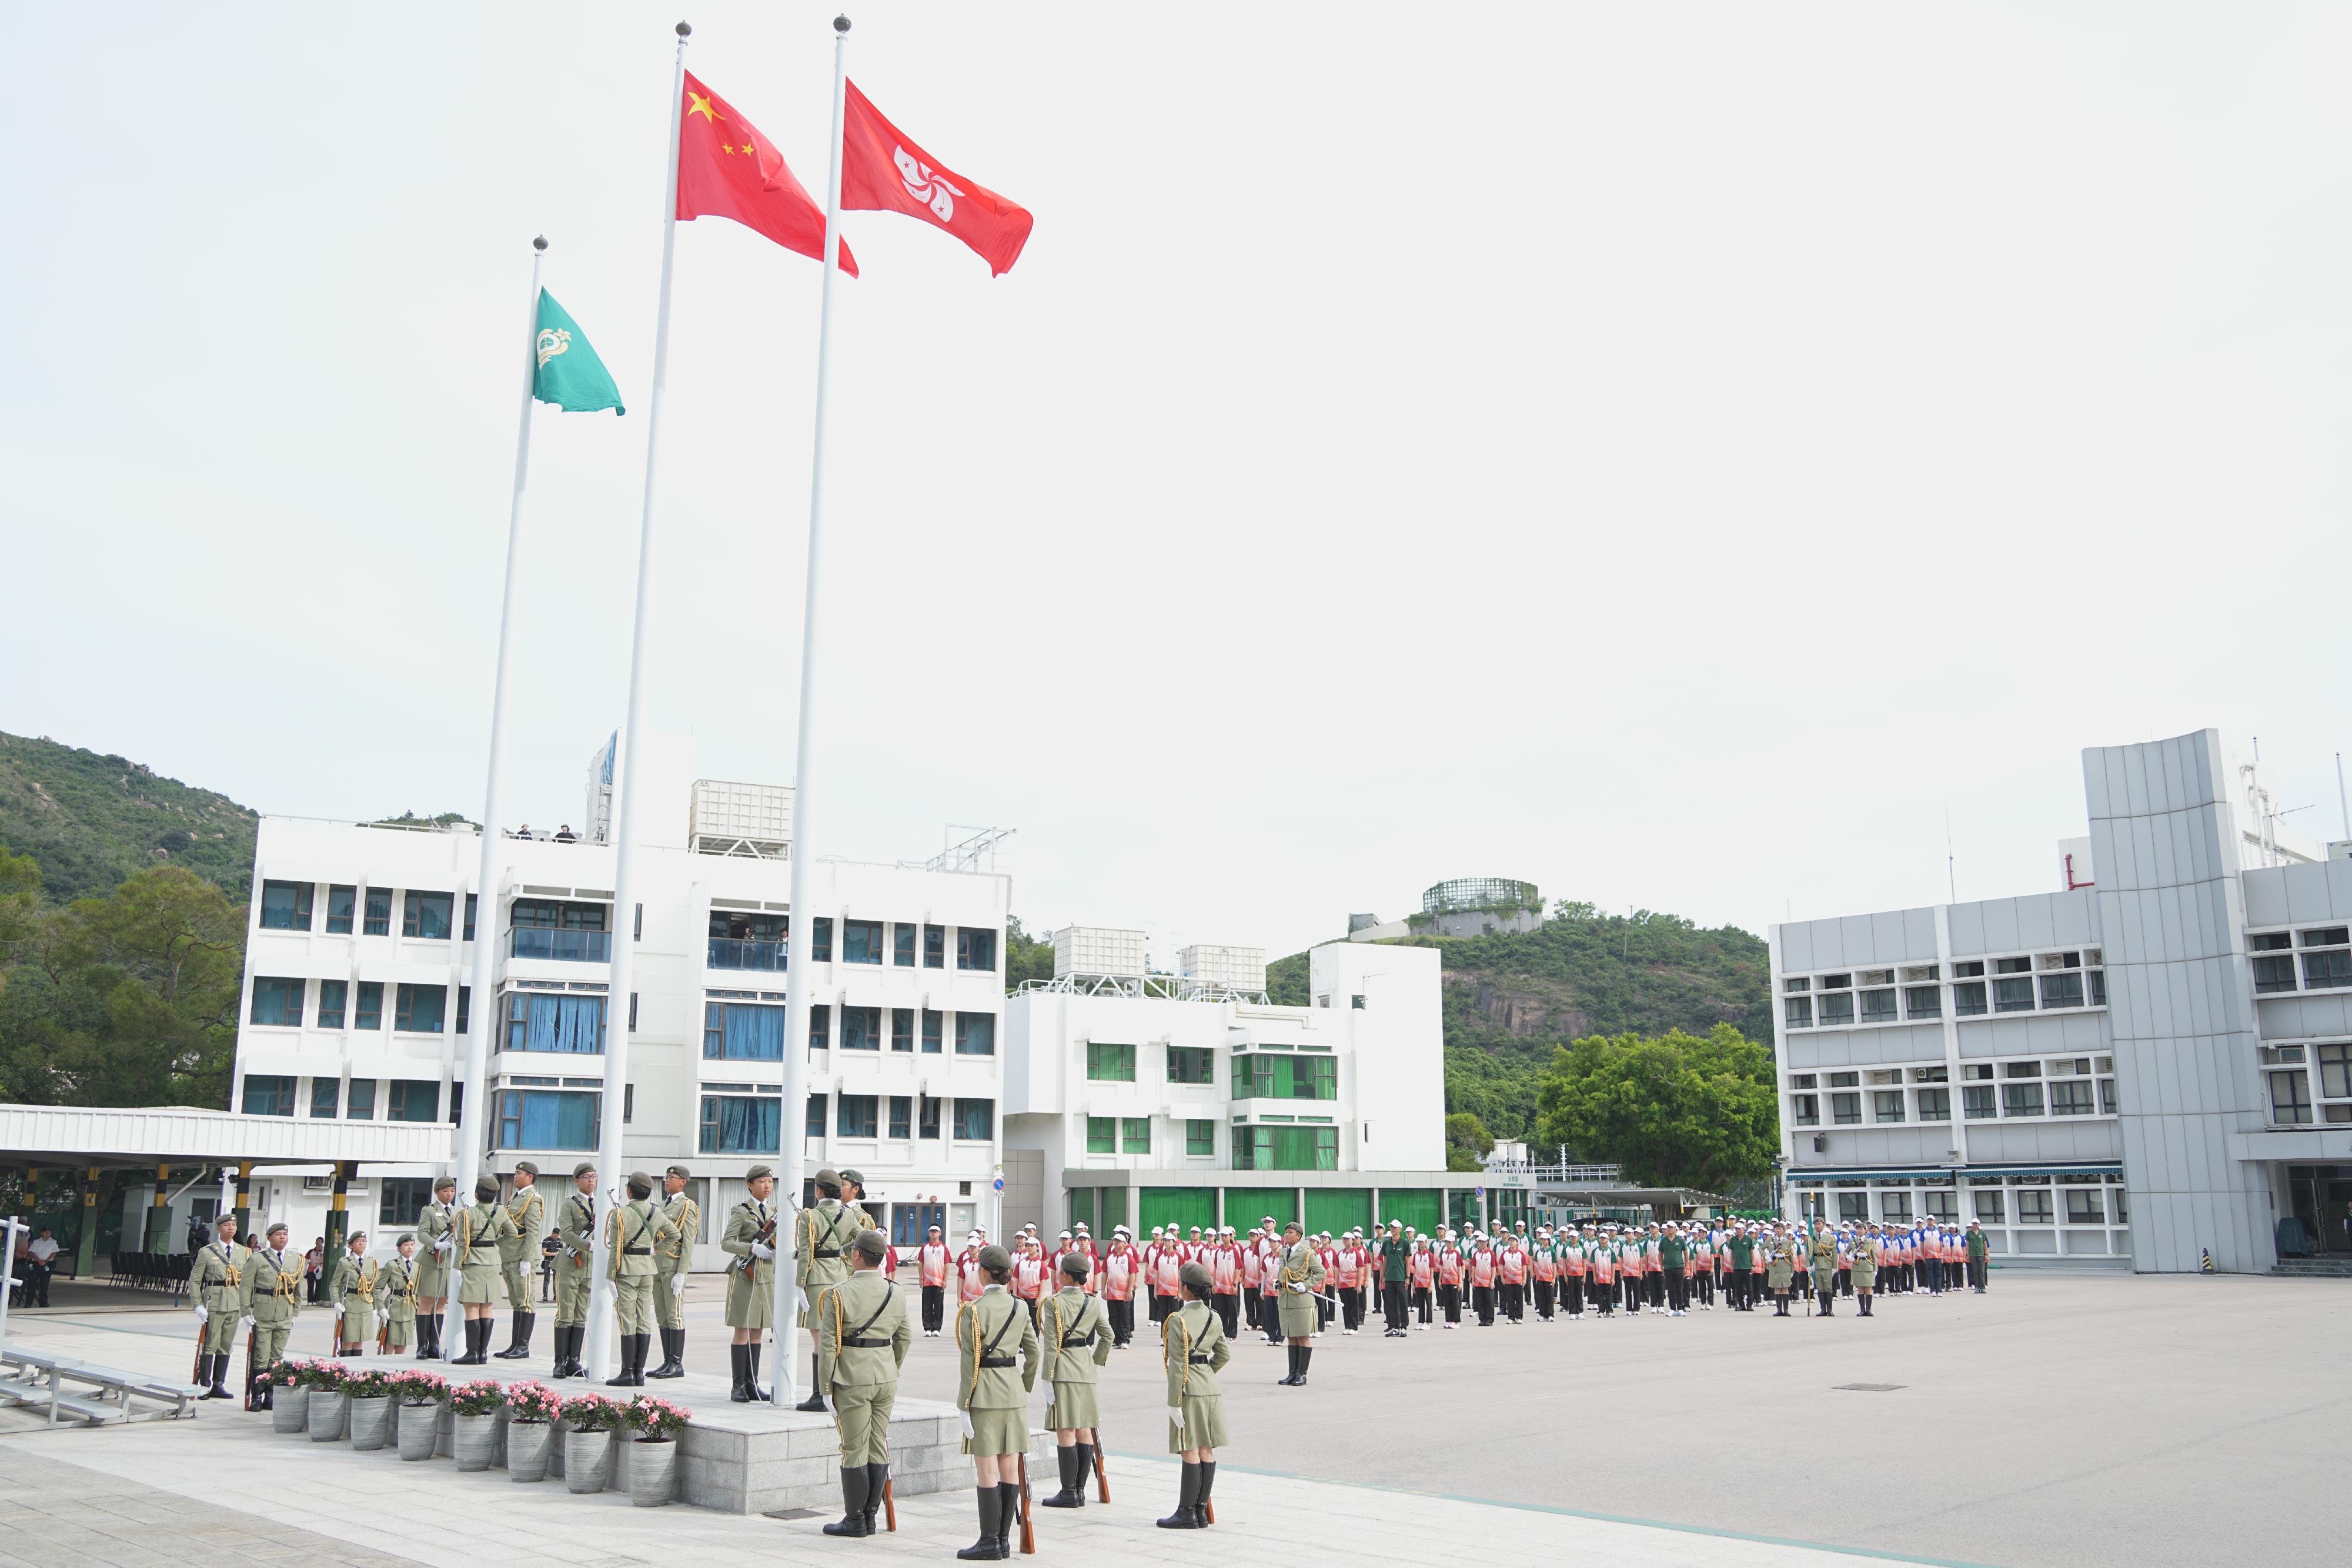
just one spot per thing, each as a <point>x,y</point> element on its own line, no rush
<point>485,886</point>
<point>790,1171</point>
<point>610,1174</point>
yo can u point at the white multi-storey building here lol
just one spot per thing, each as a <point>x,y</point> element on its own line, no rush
<point>357,1001</point>
<point>2147,1067</point>
<point>1151,1100</point>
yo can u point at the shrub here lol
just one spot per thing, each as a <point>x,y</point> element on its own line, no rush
<point>657,1419</point>
<point>533,1402</point>
<point>481,1397</point>
<point>592,1413</point>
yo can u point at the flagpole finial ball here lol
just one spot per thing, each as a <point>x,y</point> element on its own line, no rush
<point>684,31</point>
<point>841,24</point>
<point>540,242</point>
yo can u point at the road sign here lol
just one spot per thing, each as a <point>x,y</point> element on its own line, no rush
<point>998,1184</point>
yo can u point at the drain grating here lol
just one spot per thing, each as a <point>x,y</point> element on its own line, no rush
<point>795,1514</point>
<point>1868,1387</point>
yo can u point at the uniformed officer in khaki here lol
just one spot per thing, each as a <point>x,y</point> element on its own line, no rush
<point>575,1223</point>
<point>862,1340</point>
<point>1779,1268</point>
<point>993,1335</point>
<point>1070,1320</point>
<point>672,1260</point>
<point>519,1255</point>
<point>1824,1257</point>
<point>632,1232</point>
<point>820,1242</point>
<point>1193,1349</point>
<point>352,1288</point>
<point>1865,1267</point>
<point>395,1294</point>
<point>1299,1281</point>
<point>216,1286</point>
<point>479,1231</point>
<point>434,1245</point>
<point>273,1295</point>
<point>750,1240</point>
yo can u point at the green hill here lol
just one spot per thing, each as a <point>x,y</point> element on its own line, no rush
<point>1511,999</point>
<point>91,822</point>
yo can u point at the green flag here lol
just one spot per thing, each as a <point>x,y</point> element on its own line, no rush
<point>570,374</point>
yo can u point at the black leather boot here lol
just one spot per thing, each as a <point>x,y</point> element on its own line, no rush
<point>991,1512</point>
<point>751,1373</point>
<point>854,1480</point>
<point>469,1358</point>
<point>1082,1464</point>
<point>1306,1359</point>
<point>519,1345</point>
<point>1208,1480</point>
<point>1068,1495</point>
<point>210,1373</point>
<point>673,1348</point>
<point>629,1351</point>
<point>876,1477</point>
<point>1007,1517</point>
<point>1188,1500</point>
<point>815,1401</point>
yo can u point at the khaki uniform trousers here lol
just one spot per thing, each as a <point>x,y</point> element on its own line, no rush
<point>573,1289</point>
<point>862,1415</point>
<point>633,1302</point>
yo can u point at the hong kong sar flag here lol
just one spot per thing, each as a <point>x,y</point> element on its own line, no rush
<point>883,170</point>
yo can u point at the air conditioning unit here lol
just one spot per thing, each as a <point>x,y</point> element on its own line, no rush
<point>1820,1142</point>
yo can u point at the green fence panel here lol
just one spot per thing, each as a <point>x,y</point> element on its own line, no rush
<point>1082,1208</point>
<point>1246,1206</point>
<point>1114,1211</point>
<point>1418,1208</point>
<point>1463,1209</point>
<point>1185,1206</point>
<point>1337,1208</point>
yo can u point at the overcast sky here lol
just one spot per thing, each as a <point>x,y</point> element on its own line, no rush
<point>1674,456</point>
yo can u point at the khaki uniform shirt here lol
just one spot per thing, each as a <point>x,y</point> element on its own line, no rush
<point>1073,1321</point>
<point>395,1291</point>
<point>482,1232</point>
<point>820,1239</point>
<point>631,1233</point>
<point>529,1212</point>
<point>217,1281</point>
<point>995,1317</point>
<point>577,1226</point>
<point>685,1217</point>
<point>862,1333</point>
<point>744,1227</point>
<point>273,1286</point>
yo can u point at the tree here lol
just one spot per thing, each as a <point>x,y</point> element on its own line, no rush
<point>1675,1109</point>
<point>1466,1139</point>
<point>1024,958</point>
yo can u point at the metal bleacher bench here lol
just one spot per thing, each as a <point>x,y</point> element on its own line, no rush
<point>82,1390</point>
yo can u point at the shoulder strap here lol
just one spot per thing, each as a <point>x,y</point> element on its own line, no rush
<point>889,1292</point>
<point>1005,1328</point>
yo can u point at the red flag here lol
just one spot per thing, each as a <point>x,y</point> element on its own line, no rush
<point>882,169</point>
<point>726,169</point>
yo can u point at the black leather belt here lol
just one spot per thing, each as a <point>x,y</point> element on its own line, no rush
<point>1077,1341</point>
<point>1200,1360</point>
<point>866,1344</point>
<point>827,1252</point>
<point>997,1361</point>
<point>636,1251</point>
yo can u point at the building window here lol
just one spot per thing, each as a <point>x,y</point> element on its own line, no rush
<point>1895,1207</point>
<point>466,1009</point>
<point>359,1103</point>
<point>325,1096</point>
<point>1969,1000</point>
<point>926,1116</point>
<point>821,940</point>
<point>902,946</point>
<point>2291,1097</point>
<point>1192,1064</point>
<point>821,1027</point>
<point>854,1115</point>
<point>2012,966</point>
<point>902,1115</point>
<point>935,946</point>
<point>2335,1071</point>
<point>1199,1137</point>
<point>2327,971</point>
<point>1266,1076</point>
<point>2012,995</point>
<point>1977,1101</point>
<point>2098,988</point>
<point>1286,1148</point>
<point>1797,1012</point>
<point>1846,1109</point>
<point>472,900</point>
<point>400,1200</point>
<point>742,1032</point>
<point>2034,1207</point>
<point>286,905</point>
<point>1794,985</point>
<point>1837,1009</point>
<point>2084,1207</point>
<point>1807,1109</point>
<point>1135,1134</point>
<point>1110,1064</point>
<point>975,949</point>
<point>975,1120</point>
<point>1886,1105</point>
<point>377,922</point>
<point>902,1029</point>
<point>542,1021</point>
<point>1990,1208</point>
<point>2020,1099</point>
<point>2325,936</point>
<point>1845,1080</point>
<point>2275,973</point>
<point>267,1095</point>
<point>1102,1134</point>
<point>426,915</point>
<point>339,902</point>
<point>1853,1207</point>
<point>1924,1002</point>
<point>2271,942</point>
<point>813,1126</point>
<point>1943,1206</point>
<point>976,1034</point>
<point>419,1100</point>
<point>1935,1104</point>
<point>861,1028</point>
<point>547,1119</point>
<point>934,1023</point>
<point>418,1010</point>
<point>1878,1007</point>
<point>861,941</point>
<point>2071,1097</point>
<point>368,1011</point>
<point>742,1125</point>
<point>2061,990</point>
<point>278,1002</point>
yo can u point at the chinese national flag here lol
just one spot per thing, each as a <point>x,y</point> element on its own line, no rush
<point>726,169</point>
<point>882,169</point>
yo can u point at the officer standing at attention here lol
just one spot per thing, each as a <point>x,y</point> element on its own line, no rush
<point>750,1238</point>
<point>1193,1347</point>
<point>1864,1271</point>
<point>433,1249</point>
<point>395,1294</point>
<point>672,1260</point>
<point>1824,1255</point>
<point>862,1340</point>
<point>1073,1318</point>
<point>853,1198</point>
<point>1780,1268</point>
<point>479,1231</point>
<point>1980,1255</point>
<point>575,1224</point>
<point>351,1287</point>
<point>273,1295</point>
<point>1297,1278</point>
<point>517,1254</point>
<point>216,1285</point>
<point>822,1236</point>
<point>634,1228</point>
<point>993,1332</point>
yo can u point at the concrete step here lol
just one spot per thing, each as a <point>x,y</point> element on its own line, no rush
<point>2337,1268</point>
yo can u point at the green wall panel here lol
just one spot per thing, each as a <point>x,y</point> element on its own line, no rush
<point>1181,1205</point>
<point>1336,1208</point>
<point>1246,1206</point>
<point>1420,1208</point>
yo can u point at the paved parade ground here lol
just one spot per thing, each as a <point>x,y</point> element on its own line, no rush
<point>2058,1422</point>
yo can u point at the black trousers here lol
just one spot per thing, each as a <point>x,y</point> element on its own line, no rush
<point>1269,1318</point>
<point>1630,1285</point>
<point>1604,1296</point>
<point>1392,1301</point>
<point>1512,1304</point>
<point>1449,1298</point>
<point>1122,1320</point>
<point>1482,1301</point>
<point>1229,1309</point>
<point>1735,1289</point>
<point>1976,1274</point>
<point>935,1306</point>
<point>1159,1304</point>
<point>1845,1281</point>
<point>1351,1307</point>
<point>1420,1304</point>
<point>1322,1312</point>
<point>1249,1304</point>
<point>1657,1287</point>
<point>1678,1291</point>
<point>1571,1294</point>
<point>1703,1283</point>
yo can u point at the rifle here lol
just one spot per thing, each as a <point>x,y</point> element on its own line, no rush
<point>1028,1535</point>
<point>763,1237</point>
<point>1102,1477</point>
<point>196,1370</point>
<point>889,1506</point>
<point>251,1334</point>
<point>382,1331</point>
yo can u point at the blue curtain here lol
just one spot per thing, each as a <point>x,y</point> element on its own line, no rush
<point>552,1121</point>
<point>573,1025</point>
<point>747,1032</point>
<point>750,1126</point>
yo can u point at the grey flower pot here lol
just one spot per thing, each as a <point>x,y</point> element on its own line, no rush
<point>586,1456</point>
<point>417,1423</point>
<point>472,1440</point>
<point>326,1414</point>
<point>371,1423</point>
<point>652,1472</point>
<point>527,1443</point>
<point>288,1407</point>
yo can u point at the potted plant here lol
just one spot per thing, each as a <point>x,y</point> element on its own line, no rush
<point>653,1463</point>
<point>419,1395</point>
<point>328,1404</point>
<point>532,1410</point>
<point>588,1444</point>
<point>474,1434</point>
<point>288,1395</point>
<point>368,1397</point>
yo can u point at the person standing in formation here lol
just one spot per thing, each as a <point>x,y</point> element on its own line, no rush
<point>1511,1276</point>
<point>993,1335</point>
<point>1122,1270</point>
<point>395,1294</point>
<point>216,1286</point>
<point>1073,1323</point>
<point>1978,1255</point>
<point>273,1298</point>
<point>1823,1253</point>
<point>632,1231</point>
<point>1301,1278</point>
<point>1483,1277</point>
<point>518,1254</point>
<point>673,1260</point>
<point>433,1249</point>
<point>1269,1272</point>
<point>1741,1247</point>
<point>1029,1275</point>
<point>932,1263</point>
<point>862,1340</point>
<point>1421,1271</point>
<point>574,1284</point>
<point>750,1241</point>
<point>352,1288</point>
<point>480,1229</point>
<point>1193,1349</point>
<point>821,1240</point>
<point>1225,1261</point>
<point>1452,1270</point>
<point>1864,1271</point>
<point>969,1280</point>
<point>1390,1262</point>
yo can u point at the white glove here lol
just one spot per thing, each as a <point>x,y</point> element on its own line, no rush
<point>444,1246</point>
<point>678,1283</point>
<point>1176,1416</point>
<point>965,1416</point>
<point>763,1251</point>
<point>244,1325</point>
<point>804,1300</point>
<point>202,1312</point>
